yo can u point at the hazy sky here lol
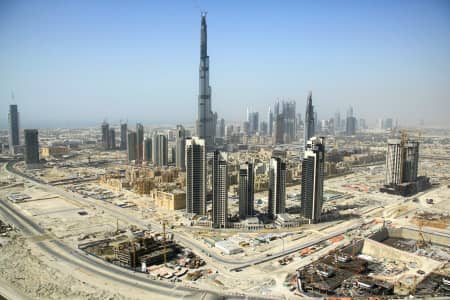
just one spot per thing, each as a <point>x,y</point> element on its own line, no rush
<point>79,62</point>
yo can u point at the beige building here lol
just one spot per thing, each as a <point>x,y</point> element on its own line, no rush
<point>173,200</point>
<point>54,151</point>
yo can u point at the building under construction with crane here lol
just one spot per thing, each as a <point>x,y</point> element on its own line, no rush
<point>139,250</point>
<point>402,164</point>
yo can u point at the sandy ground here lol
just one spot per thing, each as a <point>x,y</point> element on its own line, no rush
<point>27,274</point>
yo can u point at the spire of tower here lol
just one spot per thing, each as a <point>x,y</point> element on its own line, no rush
<point>203,39</point>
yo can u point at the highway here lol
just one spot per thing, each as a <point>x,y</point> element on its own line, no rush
<point>97,266</point>
<point>65,253</point>
<point>233,263</point>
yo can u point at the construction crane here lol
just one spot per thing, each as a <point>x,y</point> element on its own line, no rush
<point>421,241</point>
<point>164,222</point>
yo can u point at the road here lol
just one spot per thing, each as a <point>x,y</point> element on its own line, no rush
<point>98,267</point>
<point>109,271</point>
<point>187,241</point>
<point>430,230</point>
<point>77,259</point>
<point>296,247</point>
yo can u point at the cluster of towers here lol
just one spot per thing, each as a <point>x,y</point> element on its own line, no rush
<point>153,149</point>
<point>282,126</point>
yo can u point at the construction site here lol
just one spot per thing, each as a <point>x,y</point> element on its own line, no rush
<point>390,262</point>
<point>145,251</point>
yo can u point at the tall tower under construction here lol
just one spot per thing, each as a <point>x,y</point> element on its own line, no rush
<point>402,161</point>
<point>310,122</point>
<point>206,123</point>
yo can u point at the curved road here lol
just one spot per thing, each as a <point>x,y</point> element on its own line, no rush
<point>96,266</point>
<point>233,264</point>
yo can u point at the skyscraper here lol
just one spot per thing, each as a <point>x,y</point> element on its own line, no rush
<point>253,122</point>
<point>246,191</point>
<point>312,179</point>
<point>263,128</point>
<point>140,142</point>
<point>195,176</point>
<point>270,121</point>
<point>148,149</point>
<point>220,190</point>
<point>180,151</point>
<point>206,124</point>
<point>277,187</point>
<point>112,138</point>
<point>289,120</point>
<point>350,123</point>
<point>221,128</point>
<point>402,161</point>
<point>123,136</point>
<point>31,155</point>
<point>160,150</point>
<point>337,122</point>
<point>132,146</point>
<point>13,119</point>
<point>105,135</point>
<point>309,120</point>
<point>278,130</point>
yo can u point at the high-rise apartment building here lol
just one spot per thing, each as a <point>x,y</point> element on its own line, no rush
<point>140,142</point>
<point>160,150</point>
<point>180,148</point>
<point>13,122</point>
<point>195,176</point>
<point>288,111</point>
<point>123,136</point>
<point>278,130</point>
<point>221,129</point>
<point>31,154</point>
<point>112,138</point>
<point>105,135</point>
<point>148,149</point>
<point>206,120</point>
<point>312,179</point>
<point>402,161</point>
<point>277,187</point>
<point>253,122</point>
<point>220,190</point>
<point>132,146</point>
<point>246,190</point>
<point>337,122</point>
<point>350,123</point>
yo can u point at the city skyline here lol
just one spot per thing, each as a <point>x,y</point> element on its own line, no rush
<point>403,64</point>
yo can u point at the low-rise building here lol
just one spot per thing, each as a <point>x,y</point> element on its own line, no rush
<point>54,151</point>
<point>228,247</point>
<point>172,200</point>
